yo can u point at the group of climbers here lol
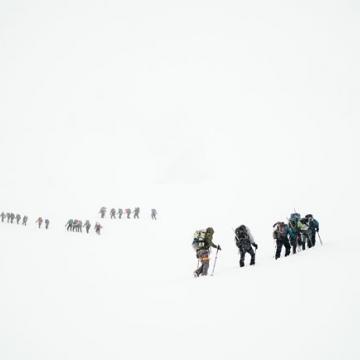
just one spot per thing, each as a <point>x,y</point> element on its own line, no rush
<point>298,234</point>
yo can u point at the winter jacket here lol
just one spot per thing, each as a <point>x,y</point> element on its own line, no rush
<point>208,241</point>
<point>313,225</point>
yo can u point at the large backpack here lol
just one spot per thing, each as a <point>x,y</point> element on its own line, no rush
<point>281,230</point>
<point>295,217</point>
<point>241,237</point>
<point>199,239</point>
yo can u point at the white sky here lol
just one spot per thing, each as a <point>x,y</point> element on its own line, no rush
<point>113,92</point>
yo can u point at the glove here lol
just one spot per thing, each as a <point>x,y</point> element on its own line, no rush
<point>255,246</point>
<point>218,247</point>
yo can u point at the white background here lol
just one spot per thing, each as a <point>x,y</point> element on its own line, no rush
<point>217,113</point>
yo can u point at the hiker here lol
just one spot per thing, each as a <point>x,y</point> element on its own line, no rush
<point>313,228</point>
<point>245,242</point>
<point>281,235</point>
<point>202,242</point>
<point>39,221</point>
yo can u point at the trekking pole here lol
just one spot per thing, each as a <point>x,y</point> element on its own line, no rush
<point>216,255</point>
<point>320,239</point>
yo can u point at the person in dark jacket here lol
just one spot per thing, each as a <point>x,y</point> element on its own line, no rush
<point>18,218</point>
<point>282,237</point>
<point>112,213</point>
<point>245,242</point>
<point>136,213</point>
<point>24,220</point>
<point>87,226</point>
<point>294,235</point>
<point>313,228</point>
<point>203,252</point>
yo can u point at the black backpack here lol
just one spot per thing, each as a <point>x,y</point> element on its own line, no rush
<point>241,237</point>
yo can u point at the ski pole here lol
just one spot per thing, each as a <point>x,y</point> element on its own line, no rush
<point>320,239</point>
<point>216,255</point>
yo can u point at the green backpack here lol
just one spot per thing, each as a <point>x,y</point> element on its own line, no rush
<point>199,239</point>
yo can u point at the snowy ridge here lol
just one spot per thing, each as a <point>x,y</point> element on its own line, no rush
<point>85,296</point>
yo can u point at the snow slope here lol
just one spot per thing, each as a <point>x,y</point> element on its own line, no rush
<point>129,293</point>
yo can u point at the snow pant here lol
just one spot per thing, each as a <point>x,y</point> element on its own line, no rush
<point>136,216</point>
<point>313,237</point>
<point>306,239</point>
<point>153,217</point>
<point>112,216</point>
<point>87,229</point>
<point>203,256</point>
<point>295,242</point>
<point>279,245</point>
<point>243,252</point>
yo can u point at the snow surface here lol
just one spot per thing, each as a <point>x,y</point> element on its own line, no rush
<point>216,114</point>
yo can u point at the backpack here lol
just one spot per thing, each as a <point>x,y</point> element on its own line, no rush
<point>280,231</point>
<point>199,240</point>
<point>241,237</point>
<point>295,217</point>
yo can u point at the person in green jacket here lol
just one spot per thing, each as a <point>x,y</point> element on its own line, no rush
<point>203,252</point>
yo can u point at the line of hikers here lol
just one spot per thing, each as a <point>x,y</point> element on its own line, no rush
<point>297,234</point>
<point>40,220</point>
<point>11,217</point>
<point>77,226</point>
<point>118,214</point>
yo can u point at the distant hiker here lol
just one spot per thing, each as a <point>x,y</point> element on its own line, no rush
<point>112,213</point>
<point>102,212</point>
<point>98,228</point>
<point>202,243</point>
<point>313,228</point>
<point>136,213</point>
<point>128,213</point>
<point>24,220</point>
<point>69,225</point>
<point>12,217</point>
<point>8,217</point>
<point>18,218</point>
<point>305,233</point>
<point>245,241</point>
<point>281,235</point>
<point>39,221</point>
<point>80,226</point>
<point>294,232</point>
<point>76,225</point>
<point>87,226</point>
<point>47,223</point>
<point>120,213</point>
<point>153,214</point>
<point>3,216</point>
